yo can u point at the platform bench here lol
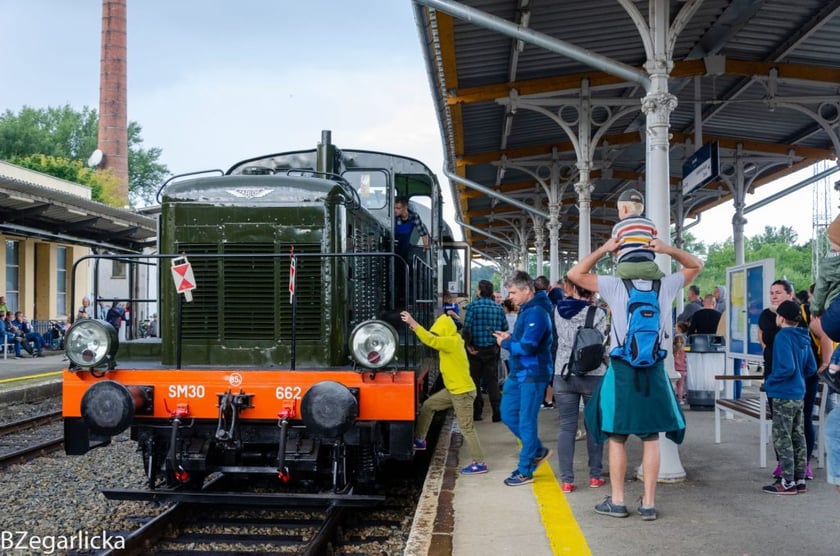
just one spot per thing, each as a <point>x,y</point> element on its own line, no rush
<point>757,409</point>
<point>752,408</point>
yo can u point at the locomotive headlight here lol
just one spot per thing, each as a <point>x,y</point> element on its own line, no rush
<point>373,344</point>
<point>90,342</point>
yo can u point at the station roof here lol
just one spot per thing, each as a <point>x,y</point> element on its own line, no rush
<point>763,74</point>
<point>39,206</point>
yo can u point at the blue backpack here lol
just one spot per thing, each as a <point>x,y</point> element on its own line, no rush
<point>641,345</point>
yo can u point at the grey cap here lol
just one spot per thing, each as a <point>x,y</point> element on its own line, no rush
<point>631,195</point>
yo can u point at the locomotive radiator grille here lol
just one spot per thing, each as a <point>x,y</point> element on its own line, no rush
<point>247,298</point>
<point>249,285</point>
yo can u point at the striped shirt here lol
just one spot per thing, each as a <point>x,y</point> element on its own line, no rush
<point>634,235</point>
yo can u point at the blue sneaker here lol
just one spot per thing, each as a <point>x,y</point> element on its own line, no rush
<point>518,479</point>
<point>475,468</point>
<point>419,445</point>
<point>613,510</point>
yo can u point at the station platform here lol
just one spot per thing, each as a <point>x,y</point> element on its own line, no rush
<point>717,509</point>
<point>31,378</point>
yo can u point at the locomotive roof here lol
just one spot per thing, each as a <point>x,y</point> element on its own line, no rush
<point>411,176</point>
<point>270,188</point>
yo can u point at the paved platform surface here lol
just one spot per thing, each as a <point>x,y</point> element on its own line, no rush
<point>31,377</point>
<point>719,509</point>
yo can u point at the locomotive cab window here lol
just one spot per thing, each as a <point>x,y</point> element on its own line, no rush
<point>372,186</point>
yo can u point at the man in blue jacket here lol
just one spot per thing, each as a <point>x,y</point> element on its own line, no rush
<point>531,369</point>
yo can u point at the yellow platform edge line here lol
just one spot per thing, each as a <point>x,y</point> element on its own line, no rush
<point>561,527</point>
<point>27,377</point>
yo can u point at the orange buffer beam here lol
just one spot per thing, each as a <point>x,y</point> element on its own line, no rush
<point>384,396</point>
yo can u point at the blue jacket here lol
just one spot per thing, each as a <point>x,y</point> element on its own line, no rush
<point>793,361</point>
<point>530,344</point>
<point>541,297</point>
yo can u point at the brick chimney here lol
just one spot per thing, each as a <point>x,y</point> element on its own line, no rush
<point>113,95</point>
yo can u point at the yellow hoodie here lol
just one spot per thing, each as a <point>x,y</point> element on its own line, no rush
<point>454,365</point>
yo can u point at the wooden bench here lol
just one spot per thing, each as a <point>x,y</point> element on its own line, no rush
<point>757,409</point>
<point>754,408</point>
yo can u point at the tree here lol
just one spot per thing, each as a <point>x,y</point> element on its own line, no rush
<point>145,173</point>
<point>104,185</point>
<point>792,262</point>
<point>69,135</point>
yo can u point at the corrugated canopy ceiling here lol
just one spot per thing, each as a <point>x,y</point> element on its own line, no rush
<point>761,76</point>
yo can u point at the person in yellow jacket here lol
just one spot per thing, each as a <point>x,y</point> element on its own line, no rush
<point>459,392</point>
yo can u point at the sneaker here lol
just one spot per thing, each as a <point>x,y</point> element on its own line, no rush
<point>475,468</point>
<point>596,482</point>
<point>808,473</point>
<point>777,473</point>
<point>544,455</point>
<point>832,379</point>
<point>613,510</point>
<point>648,514</point>
<point>547,405</point>
<point>568,487</point>
<point>419,444</point>
<point>801,486</point>
<point>580,435</point>
<point>781,487</point>
<point>518,479</point>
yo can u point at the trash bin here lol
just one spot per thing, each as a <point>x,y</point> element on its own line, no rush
<point>705,357</point>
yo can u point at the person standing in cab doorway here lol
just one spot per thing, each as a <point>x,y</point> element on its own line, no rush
<point>406,221</point>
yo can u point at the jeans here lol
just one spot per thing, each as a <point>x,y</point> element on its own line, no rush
<point>10,341</point>
<point>832,446</point>
<point>567,397</point>
<point>830,320</point>
<point>520,409</point>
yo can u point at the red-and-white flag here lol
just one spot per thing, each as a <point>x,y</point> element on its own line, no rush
<point>292,275</point>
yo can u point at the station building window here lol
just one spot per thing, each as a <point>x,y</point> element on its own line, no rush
<point>12,292</point>
<point>61,280</point>
<point>117,269</point>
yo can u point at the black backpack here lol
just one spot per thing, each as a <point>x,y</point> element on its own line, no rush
<point>587,349</point>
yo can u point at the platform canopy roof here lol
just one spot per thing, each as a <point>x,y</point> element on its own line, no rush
<point>760,78</point>
<point>34,205</point>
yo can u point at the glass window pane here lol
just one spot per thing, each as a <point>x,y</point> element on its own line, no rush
<point>13,275</point>
<point>61,280</point>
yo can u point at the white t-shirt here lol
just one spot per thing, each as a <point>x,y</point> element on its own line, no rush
<point>614,293</point>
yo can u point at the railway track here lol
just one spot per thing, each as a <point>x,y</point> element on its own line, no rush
<point>29,438</point>
<point>30,422</point>
<point>236,522</point>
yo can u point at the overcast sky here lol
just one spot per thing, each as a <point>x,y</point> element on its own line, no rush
<point>213,82</point>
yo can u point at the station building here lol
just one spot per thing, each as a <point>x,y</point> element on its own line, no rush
<point>46,225</point>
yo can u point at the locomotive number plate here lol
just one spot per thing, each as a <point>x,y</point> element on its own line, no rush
<point>186,390</point>
<point>288,392</point>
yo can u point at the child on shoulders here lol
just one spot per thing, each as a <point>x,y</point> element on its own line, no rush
<point>634,233</point>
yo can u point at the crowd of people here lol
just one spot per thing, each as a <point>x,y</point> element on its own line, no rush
<point>534,333</point>
<point>19,334</point>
